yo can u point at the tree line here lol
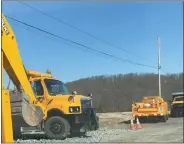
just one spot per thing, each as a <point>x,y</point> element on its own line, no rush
<point>115,93</point>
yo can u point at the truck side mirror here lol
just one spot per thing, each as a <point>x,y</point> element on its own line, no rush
<point>90,95</point>
<point>74,92</point>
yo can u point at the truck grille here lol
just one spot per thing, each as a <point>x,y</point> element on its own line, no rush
<point>85,104</point>
<point>178,105</point>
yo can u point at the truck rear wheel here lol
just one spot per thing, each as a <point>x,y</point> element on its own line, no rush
<point>173,113</point>
<point>167,116</point>
<point>57,127</point>
<point>163,118</point>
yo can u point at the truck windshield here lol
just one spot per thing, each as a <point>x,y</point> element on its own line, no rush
<point>179,99</point>
<point>55,87</point>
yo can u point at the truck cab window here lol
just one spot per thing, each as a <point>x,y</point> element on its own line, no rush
<point>179,99</point>
<point>37,87</point>
<point>55,87</point>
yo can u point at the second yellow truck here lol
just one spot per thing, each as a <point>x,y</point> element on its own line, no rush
<point>151,107</point>
<point>177,105</point>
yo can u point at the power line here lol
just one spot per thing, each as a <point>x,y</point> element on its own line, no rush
<point>163,71</point>
<point>89,48</point>
<point>26,28</point>
<point>95,37</point>
<point>58,41</point>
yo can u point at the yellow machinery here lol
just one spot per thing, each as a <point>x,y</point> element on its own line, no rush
<point>45,103</point>
<point>12,63</point>
<point>151,106</point>
<point>177,105</point>
<point>74,110</point>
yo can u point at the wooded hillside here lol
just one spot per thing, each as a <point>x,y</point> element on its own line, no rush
<point>116,92</point>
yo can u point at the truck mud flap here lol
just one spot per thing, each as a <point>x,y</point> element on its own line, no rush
<point>94,120</point>
<point>89,120</point>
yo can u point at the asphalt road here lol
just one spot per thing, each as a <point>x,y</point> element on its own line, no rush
<point>169,132</point>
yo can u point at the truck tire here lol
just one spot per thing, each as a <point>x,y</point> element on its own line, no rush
<point>177,114</point>
<point>163,118</point>
<point>173,113</point>
<point>167,117</point>
<point>57,127</point>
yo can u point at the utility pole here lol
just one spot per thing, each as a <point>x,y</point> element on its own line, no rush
<point>159,66</point>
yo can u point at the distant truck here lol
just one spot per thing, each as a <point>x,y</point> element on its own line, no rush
<point>151,106</point>
<point>177,104</point>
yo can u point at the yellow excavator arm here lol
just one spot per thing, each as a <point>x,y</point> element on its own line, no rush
<point>13,65</point>
<point>12,62</point>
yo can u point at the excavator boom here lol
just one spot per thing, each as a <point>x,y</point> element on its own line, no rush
<point>32,110</point>
<point>12,62</point>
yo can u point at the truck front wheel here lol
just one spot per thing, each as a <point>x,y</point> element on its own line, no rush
<point>57,127</point>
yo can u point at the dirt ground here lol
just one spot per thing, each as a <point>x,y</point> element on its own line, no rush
<point>114,120</point>
<point>168,132</point>
<point>115,129</point>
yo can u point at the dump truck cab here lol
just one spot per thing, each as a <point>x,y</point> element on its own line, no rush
<point>66,112</point>
<point>151,106</point>
<point>177,104</point>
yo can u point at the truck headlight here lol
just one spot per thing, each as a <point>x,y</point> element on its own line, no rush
<point>74,109</point>
<point>71,110</point>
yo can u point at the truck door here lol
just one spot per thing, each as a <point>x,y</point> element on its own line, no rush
<point>39,91</point>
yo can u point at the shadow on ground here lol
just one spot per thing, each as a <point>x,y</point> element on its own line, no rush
<point>141,121</point>
<point>40,136</point>
<point>32,136</point>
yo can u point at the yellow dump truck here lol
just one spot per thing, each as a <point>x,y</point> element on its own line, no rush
<point>151,106</point>
<point>66,112</point>
<point>177,104</point>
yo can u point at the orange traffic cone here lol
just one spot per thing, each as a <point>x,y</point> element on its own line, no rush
<point>132,125</point>
<point>138,125</point>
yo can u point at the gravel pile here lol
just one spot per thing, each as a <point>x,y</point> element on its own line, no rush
<point>119,116</point>
<point>100,135</point>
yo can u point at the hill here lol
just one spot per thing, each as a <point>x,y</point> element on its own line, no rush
<point>116,92</point>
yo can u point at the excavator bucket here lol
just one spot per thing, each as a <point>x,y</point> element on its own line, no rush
<point>32,114</point>
<point>24,114</point>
